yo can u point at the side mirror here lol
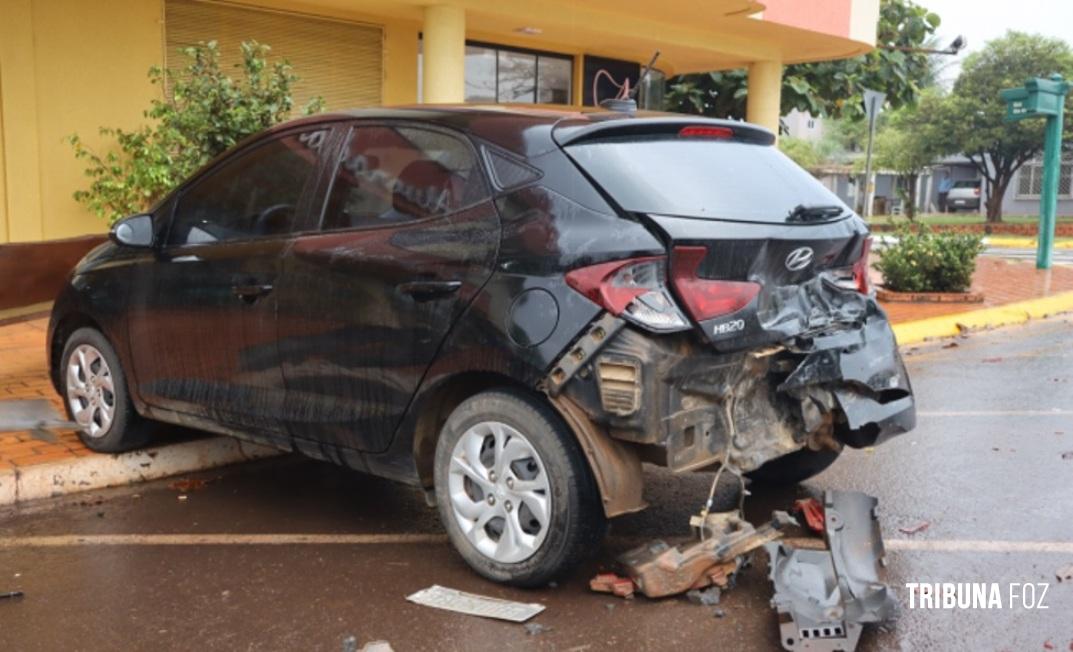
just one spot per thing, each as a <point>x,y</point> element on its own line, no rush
<point>133,231</point>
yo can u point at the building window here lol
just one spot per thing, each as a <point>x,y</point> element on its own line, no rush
<point>607,86</point>
<point>1030,180</point>
<point>500,74</point>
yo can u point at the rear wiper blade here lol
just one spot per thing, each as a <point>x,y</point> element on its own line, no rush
<point>802,213</point>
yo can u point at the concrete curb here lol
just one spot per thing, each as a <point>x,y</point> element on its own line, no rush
<point>101,471</point>
<point>914,332</point>
<point>1016,242</point>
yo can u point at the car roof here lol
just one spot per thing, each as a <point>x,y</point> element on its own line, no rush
<point>528,129</point>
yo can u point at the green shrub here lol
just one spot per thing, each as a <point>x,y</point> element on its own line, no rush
<point>929,261</point>
<point>207,112</point>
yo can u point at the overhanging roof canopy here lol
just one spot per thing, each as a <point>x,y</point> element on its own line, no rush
<point>692,35</point>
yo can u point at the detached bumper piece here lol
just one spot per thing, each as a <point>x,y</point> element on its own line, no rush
<point>824,597</point>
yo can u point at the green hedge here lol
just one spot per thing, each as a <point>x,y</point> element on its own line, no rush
<point>929,261</point>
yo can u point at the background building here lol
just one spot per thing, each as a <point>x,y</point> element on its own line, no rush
<point>72,66</point>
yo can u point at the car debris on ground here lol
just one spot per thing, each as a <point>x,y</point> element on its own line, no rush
<point>659,569</point>
<point>535,629</point>
<point>1065,573</point>
<point>811,510</point>
<point>823,596</point>
<point>475,605</point>
<point>350,644</point>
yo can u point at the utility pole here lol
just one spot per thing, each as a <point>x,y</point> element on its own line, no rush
<point>873,104</point>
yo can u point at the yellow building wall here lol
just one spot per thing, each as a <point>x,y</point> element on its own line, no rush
<point>90,62</point>
<point>73,66</point>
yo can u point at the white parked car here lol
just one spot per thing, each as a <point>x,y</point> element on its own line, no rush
<point>964,194</point>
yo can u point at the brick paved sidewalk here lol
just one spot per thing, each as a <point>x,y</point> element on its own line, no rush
<point>1000,280</point>
<point>23,373</point>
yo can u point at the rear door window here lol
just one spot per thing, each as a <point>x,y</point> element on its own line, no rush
<point>700,177</point>
<point>390,174</point>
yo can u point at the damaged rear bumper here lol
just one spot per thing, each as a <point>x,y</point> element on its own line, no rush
<point>684,405</point>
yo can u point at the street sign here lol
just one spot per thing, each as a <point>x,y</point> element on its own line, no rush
<point>1017,106</point>
<point>1044,98</point>
<point>873,102</point>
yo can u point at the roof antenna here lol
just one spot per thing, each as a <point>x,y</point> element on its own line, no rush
<point>644,74</point>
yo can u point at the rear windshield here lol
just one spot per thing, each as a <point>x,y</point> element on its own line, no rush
<point>717,179</point>
<point>967,184</point>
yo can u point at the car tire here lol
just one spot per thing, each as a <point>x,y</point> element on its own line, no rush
<point>525,537</point>
<point>94,391</point>
<point>796,467</point>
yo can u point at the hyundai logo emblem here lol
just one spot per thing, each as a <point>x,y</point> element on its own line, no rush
<point>799,259</point>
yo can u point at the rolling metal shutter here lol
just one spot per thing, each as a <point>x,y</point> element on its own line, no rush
<point>339,61</point>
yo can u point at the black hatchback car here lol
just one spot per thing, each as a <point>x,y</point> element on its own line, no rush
<point>509,308</point>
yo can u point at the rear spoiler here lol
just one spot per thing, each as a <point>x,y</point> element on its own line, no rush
<point>573,133</point>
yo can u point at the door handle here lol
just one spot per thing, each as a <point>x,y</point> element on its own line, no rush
<point>429,290</point>
<point>251,293</point>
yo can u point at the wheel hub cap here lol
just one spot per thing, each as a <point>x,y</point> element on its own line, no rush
<point>90,390</point>
<point>499,492</point>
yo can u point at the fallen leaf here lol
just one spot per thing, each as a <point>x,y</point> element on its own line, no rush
<point>913,529</point>
<point>950,345</point>
<point>187,484</point>
<point>1068,455</point>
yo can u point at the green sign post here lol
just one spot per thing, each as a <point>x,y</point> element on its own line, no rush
<point>1047,98</point>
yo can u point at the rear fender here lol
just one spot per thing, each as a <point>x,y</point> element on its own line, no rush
<point>615,465</point>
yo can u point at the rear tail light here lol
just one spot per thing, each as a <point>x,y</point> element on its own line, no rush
<point>706,299</point>
<point>634,289</point>
<point>860,268</point>
<point>976,191</point>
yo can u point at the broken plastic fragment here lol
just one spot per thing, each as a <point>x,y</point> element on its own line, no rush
<point>823,597</point>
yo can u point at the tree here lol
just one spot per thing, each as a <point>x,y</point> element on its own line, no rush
<point>802,151</point>
<point>971,120</point>
<point>828,88</point>
<point>907,145</point>
<point>205,113</point>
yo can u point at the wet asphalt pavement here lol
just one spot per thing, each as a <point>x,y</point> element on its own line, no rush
<point>984,469</point>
